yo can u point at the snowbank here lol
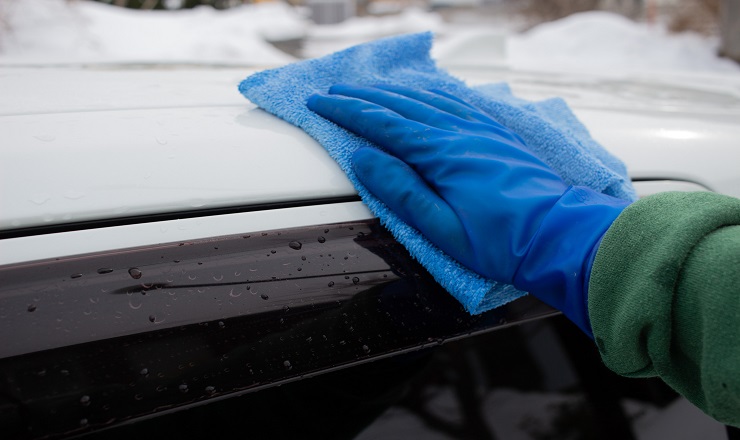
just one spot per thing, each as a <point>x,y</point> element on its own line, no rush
<point>82,31</point>
<point>325,39</point>
<point>601,41</point>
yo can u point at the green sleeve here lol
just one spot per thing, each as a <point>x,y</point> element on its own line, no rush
<point>664,297</point>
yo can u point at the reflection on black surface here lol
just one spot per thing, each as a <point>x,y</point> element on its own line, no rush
<point>491,386</point>
<point>201,321</point>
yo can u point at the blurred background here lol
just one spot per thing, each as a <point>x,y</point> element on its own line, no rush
<point>592,35</point>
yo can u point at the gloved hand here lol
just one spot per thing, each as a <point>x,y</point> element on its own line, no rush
<point>474,189</point>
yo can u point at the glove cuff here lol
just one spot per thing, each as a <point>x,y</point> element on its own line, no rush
<point>558,263</point>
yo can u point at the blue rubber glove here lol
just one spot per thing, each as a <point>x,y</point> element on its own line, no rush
<point>475,190</point>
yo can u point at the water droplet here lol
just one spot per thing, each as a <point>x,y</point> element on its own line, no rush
<point>264,296</point>
<point>75,275</point>
<point>160,141</point>
<point>221,324</point>
<point>138,396</point>
<point>85,400</point>
<point>152,318</point>
<point>218,278</point>
<point>331,284</point>
<point>132,305</point>
<point>144,371</point>
<point>210,389</point>
<point>64,372</point>
<point>32,307</point>
<point>40,199</point>
<point>309,339</point>
<point>234,294</point>
<point>303,258</point>
<point>355,280</point>
<point>83,422</point>
<point>135,273</point>
<point>73,194</point>
<point>45,137</point>
<point>275,252</point>
<point>249,287</point>
<point>366,349</point>
<point>326,231</point>
<point>321,239</point>
<point>295,245</point>
<point>287,365</point>
<point>104,270</point>
<point>183,388</point>
<point>299,269</point>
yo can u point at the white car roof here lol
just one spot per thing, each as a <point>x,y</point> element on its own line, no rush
<point>95,142</point>
<point>81,145</point>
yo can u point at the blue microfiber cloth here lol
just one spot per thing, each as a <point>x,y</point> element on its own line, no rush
<point>549,128</point>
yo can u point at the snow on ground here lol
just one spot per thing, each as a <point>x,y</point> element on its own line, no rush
<point>601,41</point>
<point>82,31</point>
<point>55,31</point>
<point>325,39</point>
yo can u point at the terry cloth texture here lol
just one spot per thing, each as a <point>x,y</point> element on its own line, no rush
<point>549,128</point>
<point>664,297</point>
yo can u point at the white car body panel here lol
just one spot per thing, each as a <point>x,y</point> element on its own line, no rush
<point>108,142</point>
<point>85,241</point>
<point>131,144</point>
<point>90,165</point>
<point>677,148</point>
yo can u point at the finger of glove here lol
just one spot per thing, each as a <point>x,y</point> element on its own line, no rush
<point>495,127</point>
<point>480,123</point>
<point>405,193</point>
<point>409,140</point>
<point>446,103</point>
<point>405,106</point>
<point>455,98</point>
